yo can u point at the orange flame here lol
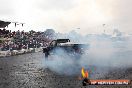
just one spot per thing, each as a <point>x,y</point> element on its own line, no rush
<point>84,73</point>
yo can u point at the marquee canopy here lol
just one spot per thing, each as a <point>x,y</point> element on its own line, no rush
<point>3,24</point>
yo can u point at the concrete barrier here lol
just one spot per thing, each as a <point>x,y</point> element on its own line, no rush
<point>18,52</point>
<point>5,53</point>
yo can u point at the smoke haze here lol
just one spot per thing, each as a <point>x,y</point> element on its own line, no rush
<point>67,15</point>
<point>104,53</point>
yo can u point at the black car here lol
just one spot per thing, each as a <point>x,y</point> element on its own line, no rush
<point>66,46</point>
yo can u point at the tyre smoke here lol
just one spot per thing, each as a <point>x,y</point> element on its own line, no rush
<point>103,54</point>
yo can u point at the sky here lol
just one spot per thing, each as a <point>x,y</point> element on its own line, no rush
<point>83,16</point>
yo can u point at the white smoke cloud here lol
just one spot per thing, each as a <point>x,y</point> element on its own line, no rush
<point>67,15</point>
<point>62,15</point>
<point>104,54</point>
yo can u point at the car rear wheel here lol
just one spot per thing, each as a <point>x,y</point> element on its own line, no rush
<point>46,55</point>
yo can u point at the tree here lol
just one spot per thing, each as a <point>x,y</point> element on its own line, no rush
<point>49,33</point>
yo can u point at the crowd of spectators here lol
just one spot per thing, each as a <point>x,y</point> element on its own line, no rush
<point>18,40</point>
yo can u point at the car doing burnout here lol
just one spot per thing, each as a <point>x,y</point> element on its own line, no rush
<point>56,46</point>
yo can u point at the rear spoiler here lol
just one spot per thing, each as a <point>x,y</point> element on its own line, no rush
<point>62,40</point>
